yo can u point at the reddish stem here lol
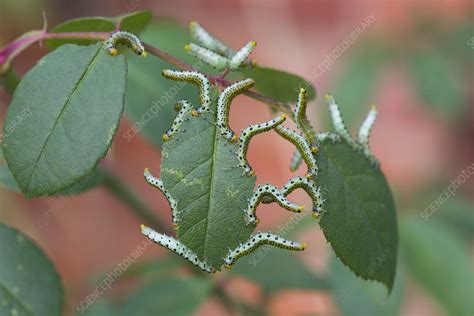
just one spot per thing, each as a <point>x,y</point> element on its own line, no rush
<point>18,45</point>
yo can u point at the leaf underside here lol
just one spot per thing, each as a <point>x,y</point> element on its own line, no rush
<point>73,99</point>
<point>359,218</point>
<point>200,169</point>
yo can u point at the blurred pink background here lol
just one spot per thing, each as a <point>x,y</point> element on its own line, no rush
<point>417,147</point>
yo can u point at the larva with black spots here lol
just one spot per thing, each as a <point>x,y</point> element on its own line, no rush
<point>366,127</point>
<point>309,186</point>
<point>209,41</point>
<point>185,109</point>
<point>275,194</point>
<point>362,143</point>
<point>300,118</point>
<point>300,109</point>
<point>257,240</point>
<point>364,133</point>
<point>213,44</point>
<point>337,120</point>
<point>177,247</point>
<point>241,56</point>
<point>306,150</point>
<point>197,78</point>
<point>328,135</point>
<point>215,60</point>
<point>247,134</point>
<point>223,106</point>
<point>157,183</point>
<point>127,38</point>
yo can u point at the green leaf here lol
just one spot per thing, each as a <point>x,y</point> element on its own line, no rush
<point>355,296</point>
<point>278,84</point>
<point>356,83</point>
<point>63,117</point>
<point>169,296</point>
<point>94,24</point>
<point>83,185</point>
<point>8,181</point>
<point>439,260</point>
<point>199,167</point>
<point>150,97</point>
<point>133,22</point>
<point>275,269</point>
<point>10,80</point>
<point>359,219</point>
<point>29,283</point>
<point>438,83</point>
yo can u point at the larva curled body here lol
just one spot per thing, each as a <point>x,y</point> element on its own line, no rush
<point>300,115</point>
<point>157,183</point>
<point>223,106</point>
<point>247,134</point>
<point>127,38</point>
<point>177,247</point>
<point>306,150</point>
<point>197,78</point>
<point>257,240</point>
<point>275,194</point>
<point>309,186</point>
<point>215,60</point>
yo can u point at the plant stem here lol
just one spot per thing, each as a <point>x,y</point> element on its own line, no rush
<point>81,35</point>
<point>123,193</point>
<point>39,36</point>
<point>285,108</point>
